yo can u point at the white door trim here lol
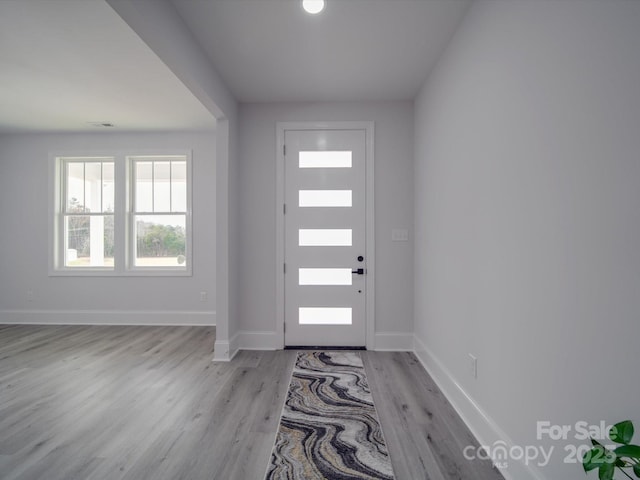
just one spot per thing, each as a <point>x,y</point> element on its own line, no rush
<point>369,128</point>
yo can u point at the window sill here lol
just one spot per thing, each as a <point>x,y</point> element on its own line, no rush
<point>96,272</point>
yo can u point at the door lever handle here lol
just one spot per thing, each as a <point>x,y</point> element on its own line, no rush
<point>359,271</point>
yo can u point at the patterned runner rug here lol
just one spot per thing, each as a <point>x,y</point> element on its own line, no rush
<point>329,427</point>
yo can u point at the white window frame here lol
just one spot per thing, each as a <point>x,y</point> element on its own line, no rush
<point>132,211</point>
<point>124,250</point>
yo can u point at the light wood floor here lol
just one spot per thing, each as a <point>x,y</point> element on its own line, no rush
<point>138,403</point>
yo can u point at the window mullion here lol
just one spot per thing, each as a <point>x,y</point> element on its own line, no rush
<point>120,214</point>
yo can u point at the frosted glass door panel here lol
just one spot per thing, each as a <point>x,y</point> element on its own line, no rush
<point>325,315</point>
<point>325,160</point>
<point>324,198</point>
<point>325,237</point>
<point>324,276</point>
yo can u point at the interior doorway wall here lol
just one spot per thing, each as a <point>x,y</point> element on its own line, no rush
<point>258,214</point>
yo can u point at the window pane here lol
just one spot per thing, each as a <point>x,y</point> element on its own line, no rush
<point>93,187</point>
<point>144,187</point>
<point>89,241</point>
<point>160,241</point>
<point>161,186</point>
<point>324,198</point>
<point>324,160</point>
<point>324,237</point>
<point>324,316</point>
<point>178,186</point>
<point>108,187</point>
<point>75,187</point>
<point>324,276</point>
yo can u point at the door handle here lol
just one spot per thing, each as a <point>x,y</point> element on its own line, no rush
<point>359,271</point>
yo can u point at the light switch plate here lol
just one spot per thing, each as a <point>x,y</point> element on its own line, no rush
<point>399,235</point>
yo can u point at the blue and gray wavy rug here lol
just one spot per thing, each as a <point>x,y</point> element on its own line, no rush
<point>329,427</point>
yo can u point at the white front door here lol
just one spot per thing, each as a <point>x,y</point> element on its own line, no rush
<point>325,237</point>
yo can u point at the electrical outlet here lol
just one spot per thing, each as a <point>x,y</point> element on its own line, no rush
<point>29,295</point>
<point>473,366</point>
<point>203,296</point>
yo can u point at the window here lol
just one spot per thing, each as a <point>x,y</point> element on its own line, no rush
<point>159,211</point>
<point>87,212</point>
<point>122,215</point>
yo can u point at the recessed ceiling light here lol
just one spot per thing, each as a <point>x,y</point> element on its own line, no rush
<point>313,6</point>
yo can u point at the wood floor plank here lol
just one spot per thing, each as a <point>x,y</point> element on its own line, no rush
<point>426,436</point>
<point>137,403</point>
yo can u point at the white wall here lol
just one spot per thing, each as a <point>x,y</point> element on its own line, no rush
<point>234,253</point>
<point>527,201</point>
<point>393,209</point>
<point>25,199</point>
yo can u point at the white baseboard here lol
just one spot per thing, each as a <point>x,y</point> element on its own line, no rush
<point>234,345</point>
<point>108,317</point>
<point>221,351</point>
<point>249,340</point>
<point>483,427</point>
<point>225,350</point>
<point>271,340</point>
<point>393,342</point>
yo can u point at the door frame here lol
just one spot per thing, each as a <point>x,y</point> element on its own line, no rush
<point>369,128</point>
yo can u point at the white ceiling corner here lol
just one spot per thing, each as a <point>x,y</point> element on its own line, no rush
<point>64,63</point>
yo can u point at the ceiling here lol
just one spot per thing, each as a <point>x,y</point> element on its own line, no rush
<point>65,64</point>
<point>273,51</point>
